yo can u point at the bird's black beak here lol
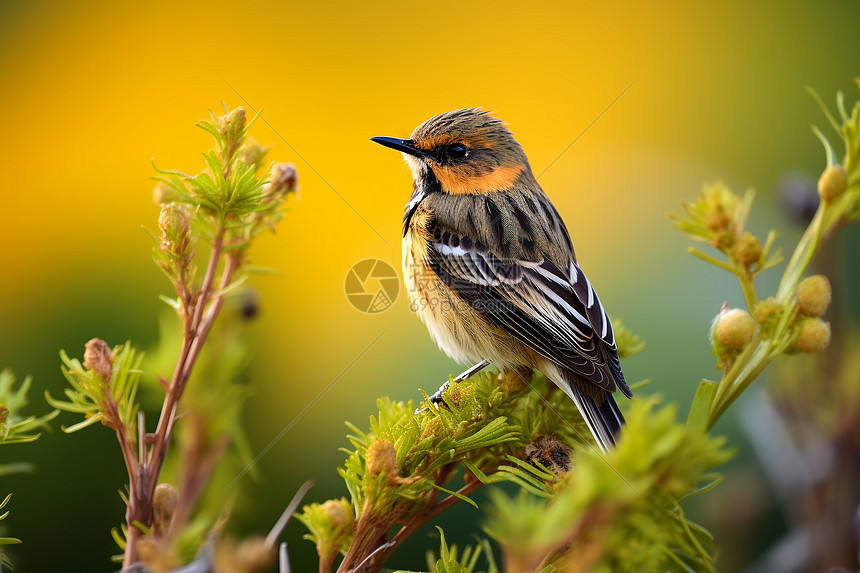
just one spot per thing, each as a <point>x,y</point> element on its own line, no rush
<point>402,145</point>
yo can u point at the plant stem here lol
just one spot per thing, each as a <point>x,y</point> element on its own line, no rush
<point>370,533</point>
<point>194,335</point>
<point>430,510</point>
<point>802,256</point>
<point>748,288</point>
<point>752,362</point>
<point>325,564</point>
<point>187,356</point>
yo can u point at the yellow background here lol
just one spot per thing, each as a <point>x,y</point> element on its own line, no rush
<point>93,91</point>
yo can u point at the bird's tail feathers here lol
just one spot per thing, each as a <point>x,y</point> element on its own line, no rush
<point>604,421</point>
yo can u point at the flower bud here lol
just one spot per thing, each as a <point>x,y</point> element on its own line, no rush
<point>716,218</point>
<point>381,458</point>
<point>98,358</point>
<point>734,329</point>
<point>813,335</point>
<point>338,512</point>
<point>4,414</point>
<point>813,295</point>
<point>230,126</point>
<point>164,502</point>
<point>748,250</point>
<point>175,234</point>
<point>283,179</point>
<point>173,223</point>
<point>832,183</point>
<point>253,153</point>
<point>767,314</point>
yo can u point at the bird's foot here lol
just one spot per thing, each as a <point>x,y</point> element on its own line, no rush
<point>436,398</point>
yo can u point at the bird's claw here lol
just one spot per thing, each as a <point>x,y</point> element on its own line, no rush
<point>435,399</point>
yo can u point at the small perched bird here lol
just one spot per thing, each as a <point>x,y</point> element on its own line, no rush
<point>491,270</point>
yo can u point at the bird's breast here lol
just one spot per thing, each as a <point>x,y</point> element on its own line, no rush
<point>416,241</point>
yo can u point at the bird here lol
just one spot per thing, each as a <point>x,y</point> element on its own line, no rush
<point>490,267</point>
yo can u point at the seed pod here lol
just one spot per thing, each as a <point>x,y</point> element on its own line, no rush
<point>814,295</point>
<point>734,329</point>
<point>813,335</point>
<point>832,183</point>
<point>748,249</point>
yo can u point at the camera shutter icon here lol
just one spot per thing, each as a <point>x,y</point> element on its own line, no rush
<point>371,286</point>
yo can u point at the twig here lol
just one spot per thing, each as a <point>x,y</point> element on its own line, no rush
<point>283,558</point>
<point>434,510</point>
<point>279,526</point>
<point>431,510</point>
<point>194,336</point>
<point>191,346</point>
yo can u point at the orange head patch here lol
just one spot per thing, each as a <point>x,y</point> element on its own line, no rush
<point>469,151</point>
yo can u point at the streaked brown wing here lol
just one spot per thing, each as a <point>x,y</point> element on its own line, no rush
<point>556,313</point>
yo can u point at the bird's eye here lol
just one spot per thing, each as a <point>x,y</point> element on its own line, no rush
<point>457,151</point>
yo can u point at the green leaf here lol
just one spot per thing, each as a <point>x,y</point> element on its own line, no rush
<point>209,128</point>
<point>715,480</point>
<point>828,148</point>
<point>459,496</point>
<point>836,125</point>
<point>84,424</point>
<point>701,407</point>
<point>118,537</point>
<point>171,302</point>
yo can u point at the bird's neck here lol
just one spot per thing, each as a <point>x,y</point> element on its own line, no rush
<point>425,183</point>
